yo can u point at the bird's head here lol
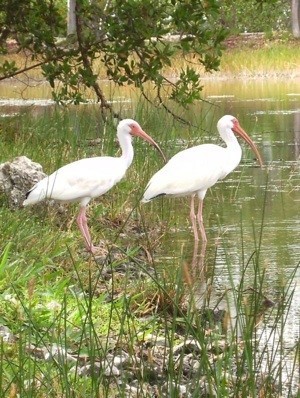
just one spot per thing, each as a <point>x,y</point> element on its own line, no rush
<point>228,125</point>
<point>132,128</point>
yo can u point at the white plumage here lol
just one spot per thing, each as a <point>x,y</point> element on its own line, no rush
<point>88,178</point>
<point>194,170</point>
<point>80,181</point>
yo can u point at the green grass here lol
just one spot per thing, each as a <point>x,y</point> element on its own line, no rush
<point>249,58</point>
<point>54,294</point>
<point>274,59</point>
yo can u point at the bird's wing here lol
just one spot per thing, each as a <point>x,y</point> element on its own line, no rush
<point>88,177</point>
<point>194,169</point>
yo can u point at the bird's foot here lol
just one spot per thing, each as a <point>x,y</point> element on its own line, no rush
<point>97,250</point>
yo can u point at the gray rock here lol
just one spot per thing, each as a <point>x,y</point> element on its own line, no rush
<point>187,347</point>
<point>6,335</point>
<point>121,359</point>
<point>178,390</point>
<point>111,370</point>
<point>59,354</point>
<point>92,370</point>
<point>87,370</point>
<point>17,177</point>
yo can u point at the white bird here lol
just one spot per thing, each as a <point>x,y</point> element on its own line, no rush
<point>192,171</point>
<point>88,178</point>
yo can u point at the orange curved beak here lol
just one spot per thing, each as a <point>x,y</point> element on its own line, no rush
<point>242,133</point>
<point>141,133</point>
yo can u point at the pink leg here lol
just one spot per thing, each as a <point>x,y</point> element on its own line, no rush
<point>84,229</point>
<point>200,221</point>
<point>193,218</point>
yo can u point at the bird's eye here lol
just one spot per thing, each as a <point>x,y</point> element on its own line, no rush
<point>132,128</point>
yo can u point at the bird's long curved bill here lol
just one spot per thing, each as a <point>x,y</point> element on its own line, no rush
<point>141,133</point>
<point>242,133</point>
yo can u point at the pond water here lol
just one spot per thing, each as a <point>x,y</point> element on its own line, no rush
<point>253,210</point>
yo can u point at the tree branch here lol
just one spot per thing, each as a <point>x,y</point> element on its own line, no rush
<point>13,74</point>
<point>88,66</point>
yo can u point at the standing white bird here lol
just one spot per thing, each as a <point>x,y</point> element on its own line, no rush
<point>194,170</point>
<point>88,178</point>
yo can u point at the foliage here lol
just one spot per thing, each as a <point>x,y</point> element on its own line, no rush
<point>256,15</point>
<point>128,37</point>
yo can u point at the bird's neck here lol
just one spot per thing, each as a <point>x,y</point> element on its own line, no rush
<point>234,149</point>
<point>126,147</point>
<point>231,141</point>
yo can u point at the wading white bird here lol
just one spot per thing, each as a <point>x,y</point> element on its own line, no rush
<point>192,171</point>
<point>85,179</point>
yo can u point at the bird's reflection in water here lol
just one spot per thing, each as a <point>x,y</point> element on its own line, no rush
<point>195,273</point>
<point>202,293</point>
<point>195,260</point>
<point>198,260</point>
